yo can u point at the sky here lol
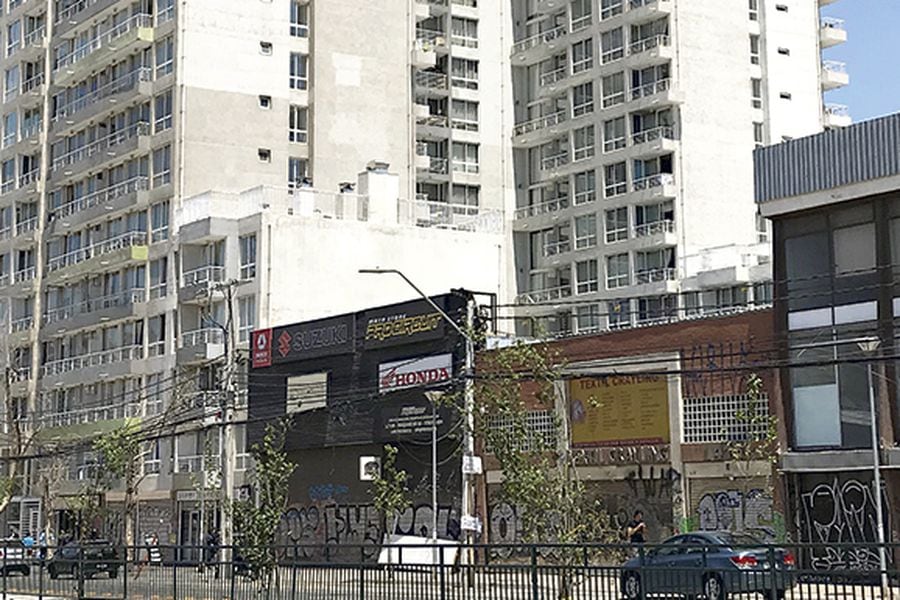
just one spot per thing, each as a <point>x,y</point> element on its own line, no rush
<point>871,54</point>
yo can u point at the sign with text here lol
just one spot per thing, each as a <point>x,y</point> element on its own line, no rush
<point>621,410</point>
<point>657,454</point>
<point>261,344</point>
<point>312,339</point>
<point>414,372</point>
<point>404,324</point>
<point>411,422</point>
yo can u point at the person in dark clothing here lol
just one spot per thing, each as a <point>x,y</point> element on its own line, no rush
<point>211,552</point>
<point>636,528</point>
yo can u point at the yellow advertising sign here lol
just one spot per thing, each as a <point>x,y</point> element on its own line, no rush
<point>624,410</point>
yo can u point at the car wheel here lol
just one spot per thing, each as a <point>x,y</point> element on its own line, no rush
<point>713,588</point>
<point>631,586</point>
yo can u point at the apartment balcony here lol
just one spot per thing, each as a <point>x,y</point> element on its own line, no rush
<point>201,345</point>
<point>549,207</point>
<point>658,140</point>
<point>32,46</point>
<point>128,37</point>
<point>28,95</point>
<point>552,252</point>
<point>22,331</point>
<point>445,215</point>
<point>119,145</point>
<point>105,364</point>
<point>834,74</point>
<point>133,87</point>
<point>88,313</point>
<point>639,11</point>
<point>545,295</point>
<point>832,32</point>
<point>433,39</point>
<point>31,8</point>
<point>21,189</point>
<point>650,50</point>
<point>433,168</point>
<point>654,234</point>
<point>80,12</point>
<point>84,419</point>
<point>197,284</point>
<point>660,186</point>
<point>426,9</point>
<point>837,115</point>
<point>654,94</point>
<point>431,83</point>
<point>22,281</point>
<point>423,55</point>
<point>552,82</point>
<point>432,127</point>
<point>540,129</point>
<point>123,196</point>
<point>551,165</point>
<point>114,253</point>
<point>538,47</point>
<point>663,280</point>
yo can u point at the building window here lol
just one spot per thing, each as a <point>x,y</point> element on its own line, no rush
<point>616,225</point>
<point>692,304</point>
<point>464,73</point>
<point>612,45</point>
<point>162,166</point>
<point>583,143</point>
<point>615,180</point>
<point>465,157</point>
<point>582,99</point>
<point>762,229</point>
<point>158,277</point>
<point>731,297</point>
<point>585,187</point>
<point>854,249</point>
<point>756,93</point>
<point>762,293</point>
<point>246,317</point>
<point>298,172</point>
<point>299,19</point>
<point>465,198</point>
<point>758,134</point>
<point>581,14</point>
<point>156,335</point>
<point>13,37</point>
<point>297,124</point>
<point>464,32</point>
<point>587,319</point>
<point>613,89</point>
<point>162,112</point>
<point>754,10</point>
<point>165,56</point>
<point>656,308</point>
<point>585,231</point>
<point>165,11</point>
<point>655,265</point>
<point>586,277</point>
<point>159,221</point>
<point>754,49</point>
<point>617,271</point>
<point>298,78</point>
<point>614,134</point>
<point>464,115</point>
<point>582,56</point>
<point>265,48</point>
<point>248,256</point>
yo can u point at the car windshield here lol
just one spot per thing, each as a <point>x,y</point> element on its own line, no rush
<point>739,539</point>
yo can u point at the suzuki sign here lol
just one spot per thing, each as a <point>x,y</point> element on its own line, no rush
<point>414,372</point>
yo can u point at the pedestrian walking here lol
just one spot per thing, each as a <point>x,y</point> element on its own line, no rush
<point>211,552</point>
<point>636,529</point>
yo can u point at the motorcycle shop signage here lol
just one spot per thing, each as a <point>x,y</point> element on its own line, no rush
<point>414,372</point>
<point>312,339</point>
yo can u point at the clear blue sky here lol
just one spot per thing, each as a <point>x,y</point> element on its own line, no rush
<point>871,54</point>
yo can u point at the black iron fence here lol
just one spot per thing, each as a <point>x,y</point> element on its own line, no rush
<point>450,572</point>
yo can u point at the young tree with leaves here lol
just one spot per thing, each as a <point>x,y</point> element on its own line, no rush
<point>120,453</point>
<point>256,522</point>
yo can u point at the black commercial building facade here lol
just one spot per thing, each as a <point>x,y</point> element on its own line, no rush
<point>349,385</point>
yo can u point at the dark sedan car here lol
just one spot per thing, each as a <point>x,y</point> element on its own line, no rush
<point>86,559</point>
<point>711,565</point>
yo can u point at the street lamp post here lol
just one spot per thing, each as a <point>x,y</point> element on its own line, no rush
<point>469,401</point>
<point>869,347</point>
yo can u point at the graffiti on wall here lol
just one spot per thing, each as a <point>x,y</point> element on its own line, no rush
<point>715,369</point>
<point>840,514</point>
<point>360,524</point>
<point>735,511</point>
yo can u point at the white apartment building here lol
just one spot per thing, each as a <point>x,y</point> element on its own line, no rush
<point>635,126</point>
<point>114,111</point>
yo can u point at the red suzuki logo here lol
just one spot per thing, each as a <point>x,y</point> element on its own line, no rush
<point>284,344</point>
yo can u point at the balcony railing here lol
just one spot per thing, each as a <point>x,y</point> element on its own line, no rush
<point>22,324</point>
<point>104,39</point>
<point>430,38</point>
<point>28,178</point>
<point>437,165</point>
<point>431,80</point>
<point>32,83</point>
<point>554,76</point>
<point>649,89</point>
<point>554,248</point>
<point>833,23</point>
<point>655,275</point>
<point>665,132</point>
<point>540,38</point>
<point>837,110</point>
<point>202,275</point>
<point>31,128</point>
<point>652,181</point>
<point>654,228</point>
<point>545,295</point>
<point>648,44</point>
<point>444,215</point>
<point>34,37</point>
<point>93,414</point>
<point>126,240</point>
<point>197,337</point>
<point>26,225</point>
<point>834,66</point>
<point>94,359</point>
<point>116,86</point>
<point>26,274</point>
<point>555,161</point>
<point>547,206</point>
<point>101,146</point>
<point>92,305</point>
<point>129,186</point>
<point>73,9</point>
<point>540,123</point>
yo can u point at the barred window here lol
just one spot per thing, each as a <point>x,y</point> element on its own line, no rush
<point>714,419</point>
<point>541,427</point>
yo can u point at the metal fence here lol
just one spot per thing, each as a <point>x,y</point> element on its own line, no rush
<point>452,572</point>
